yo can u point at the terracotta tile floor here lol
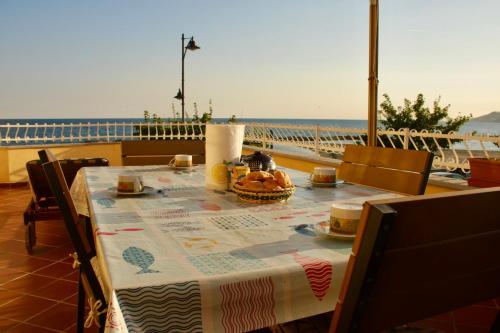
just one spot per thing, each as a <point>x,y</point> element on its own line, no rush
<point>38,292</point>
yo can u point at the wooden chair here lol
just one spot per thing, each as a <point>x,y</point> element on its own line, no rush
<point>161,152</point>
<point>397,170</point>
<point>42,205</point>
<point>84,255</point>
<point>414,258</point>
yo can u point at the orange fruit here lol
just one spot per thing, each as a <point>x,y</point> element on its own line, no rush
<point>219,173</point>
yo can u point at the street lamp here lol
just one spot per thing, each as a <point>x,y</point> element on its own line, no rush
<point>191,45</point>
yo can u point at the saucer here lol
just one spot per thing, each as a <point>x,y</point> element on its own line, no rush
<point>335,183</point>
<point>172,166</point>
<point>145,190</point>
<point>323,229</point>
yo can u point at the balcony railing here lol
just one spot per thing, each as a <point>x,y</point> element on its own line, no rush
<point>451,150</point>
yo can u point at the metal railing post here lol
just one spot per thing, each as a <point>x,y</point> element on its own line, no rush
<point>317,139</point>
<point>107,132</point>
<point>406,141</point>
<point>264,137</point>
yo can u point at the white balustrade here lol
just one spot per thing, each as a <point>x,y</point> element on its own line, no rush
<point>451,150</point>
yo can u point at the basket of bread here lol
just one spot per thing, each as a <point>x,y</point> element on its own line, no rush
<point>263,187</point>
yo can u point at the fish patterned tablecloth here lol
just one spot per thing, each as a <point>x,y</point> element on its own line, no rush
<point>184,259</point>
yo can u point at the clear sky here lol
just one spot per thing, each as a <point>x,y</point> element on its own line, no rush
<point>259,58</point>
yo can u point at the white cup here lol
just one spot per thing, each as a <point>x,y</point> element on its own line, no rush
<point>344,217</point>
<point>183,160</point>
<point>324,175</point>
<point>130,183</point>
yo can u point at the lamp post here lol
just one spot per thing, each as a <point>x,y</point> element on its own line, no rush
<point>373,74</point>
<point>191,45</point>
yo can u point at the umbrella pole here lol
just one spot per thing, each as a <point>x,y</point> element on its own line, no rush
<point>373,74</point>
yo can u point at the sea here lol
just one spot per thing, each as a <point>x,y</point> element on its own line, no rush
<point>486,128</point>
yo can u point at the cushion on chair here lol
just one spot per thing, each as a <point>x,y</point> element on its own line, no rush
<point>103,281</point>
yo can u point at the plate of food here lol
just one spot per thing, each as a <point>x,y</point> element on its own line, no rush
<point>264,187</point>
<point>323,229</point>
<point>145,190</point>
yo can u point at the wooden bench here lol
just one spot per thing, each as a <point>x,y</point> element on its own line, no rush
<point>161,152</point>
<point>418,257</point>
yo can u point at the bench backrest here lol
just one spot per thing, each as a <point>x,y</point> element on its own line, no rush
<point>398,170</point>
<point>161,152</point>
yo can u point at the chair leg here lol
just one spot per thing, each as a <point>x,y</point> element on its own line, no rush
<point>29,222</point>
<point>28,212</point>
<point>30,236</point>
<point>80,321</point>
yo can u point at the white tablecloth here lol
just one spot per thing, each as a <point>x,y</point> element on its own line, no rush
<point>184,259</point>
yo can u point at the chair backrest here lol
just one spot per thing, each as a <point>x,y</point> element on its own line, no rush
<point>398,170</point>
<point>75,230</point>
<point>417,257</point>
<point>161,152</point>
<point>39,185</point>
<point>46,156</point>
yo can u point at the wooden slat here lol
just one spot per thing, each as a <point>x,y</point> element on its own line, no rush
<point>443,216</point>
<point>388,179</point>
<point>420,266</point>
<point>400,159</point>
<point>157,160</point>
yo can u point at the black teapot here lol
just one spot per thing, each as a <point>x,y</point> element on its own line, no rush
<point>259,161</point>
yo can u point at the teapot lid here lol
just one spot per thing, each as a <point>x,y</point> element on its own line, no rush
<point>257,157</point>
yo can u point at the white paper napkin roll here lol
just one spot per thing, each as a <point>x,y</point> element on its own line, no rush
<point>223,144</point>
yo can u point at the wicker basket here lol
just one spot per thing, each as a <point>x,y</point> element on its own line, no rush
<point>266,197</point>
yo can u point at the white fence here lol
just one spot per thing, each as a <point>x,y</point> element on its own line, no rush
<point>451,150</point>
<point>16,134</point>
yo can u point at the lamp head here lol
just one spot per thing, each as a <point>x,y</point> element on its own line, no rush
<point>179,95</point>
<point>191,45</point>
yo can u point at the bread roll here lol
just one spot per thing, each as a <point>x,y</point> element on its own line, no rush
<point>244,180</point>
<point>255,185</point>
<point>283,179</point>
<point>272,185</point>
<point>258,175</point>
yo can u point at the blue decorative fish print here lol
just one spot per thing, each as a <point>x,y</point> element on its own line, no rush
<point>106,202</point>
<point>139,257</point>
<point>303,229</point>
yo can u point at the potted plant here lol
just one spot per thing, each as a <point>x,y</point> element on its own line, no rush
<point>485,172</point>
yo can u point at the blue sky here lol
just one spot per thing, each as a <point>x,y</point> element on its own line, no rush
<point>277,59</point>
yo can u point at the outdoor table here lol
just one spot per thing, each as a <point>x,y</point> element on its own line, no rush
<point>186,259</point>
